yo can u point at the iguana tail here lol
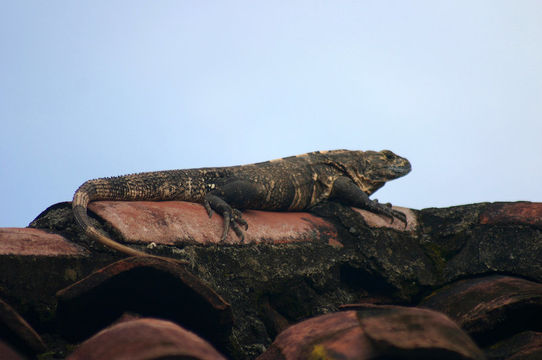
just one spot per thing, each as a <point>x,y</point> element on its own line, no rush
<point>80,202</point>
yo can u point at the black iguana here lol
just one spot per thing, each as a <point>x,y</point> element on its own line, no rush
<point>293,183</point>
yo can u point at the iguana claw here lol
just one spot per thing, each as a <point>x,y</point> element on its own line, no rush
<point>233,219</point>
<point>207,207</point>
<point>401,216</point>
<point>387,210</point>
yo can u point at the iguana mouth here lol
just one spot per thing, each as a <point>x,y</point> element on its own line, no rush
<point>401,170</point>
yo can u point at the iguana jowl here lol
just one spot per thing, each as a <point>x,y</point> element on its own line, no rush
<point>291,184</point>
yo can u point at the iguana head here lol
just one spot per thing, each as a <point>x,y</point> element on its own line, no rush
<point>375,168</point>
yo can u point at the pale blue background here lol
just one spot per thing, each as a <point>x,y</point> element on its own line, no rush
<point>99,88</point>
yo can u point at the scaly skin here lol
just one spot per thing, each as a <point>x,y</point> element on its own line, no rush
<point>294,183</point>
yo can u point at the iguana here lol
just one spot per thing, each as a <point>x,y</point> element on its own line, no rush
<point>293,183</point>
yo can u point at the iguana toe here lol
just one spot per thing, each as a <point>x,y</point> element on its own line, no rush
<point>227,221</point>
<point>238,217</point>
<point>387,210</point>
<point>237,230</point>
<point>207,207</point>
<point>232,219</point>
<point>401,216</point>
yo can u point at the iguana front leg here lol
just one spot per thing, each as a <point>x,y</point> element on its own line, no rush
<point>347,192</point>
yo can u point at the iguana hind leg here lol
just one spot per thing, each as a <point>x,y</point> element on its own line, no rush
<point>238,193</point>
<point>232,217</point>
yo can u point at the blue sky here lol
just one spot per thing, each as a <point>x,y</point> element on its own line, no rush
<point>100,88</point>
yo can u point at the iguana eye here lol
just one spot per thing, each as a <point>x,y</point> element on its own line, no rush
<point>388,154</point>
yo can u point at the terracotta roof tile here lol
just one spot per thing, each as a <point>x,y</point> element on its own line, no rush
<point>8,353</point>
<point>27,241</point>
<point>521,212</point>
<point>175,222</point>
<point>15,330</point>
<point>148,286</point>
<point>525,345</point>
<point>492,307</point>
<point>145,339</point>
<point>373,331</point>
<point>375,220</point>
